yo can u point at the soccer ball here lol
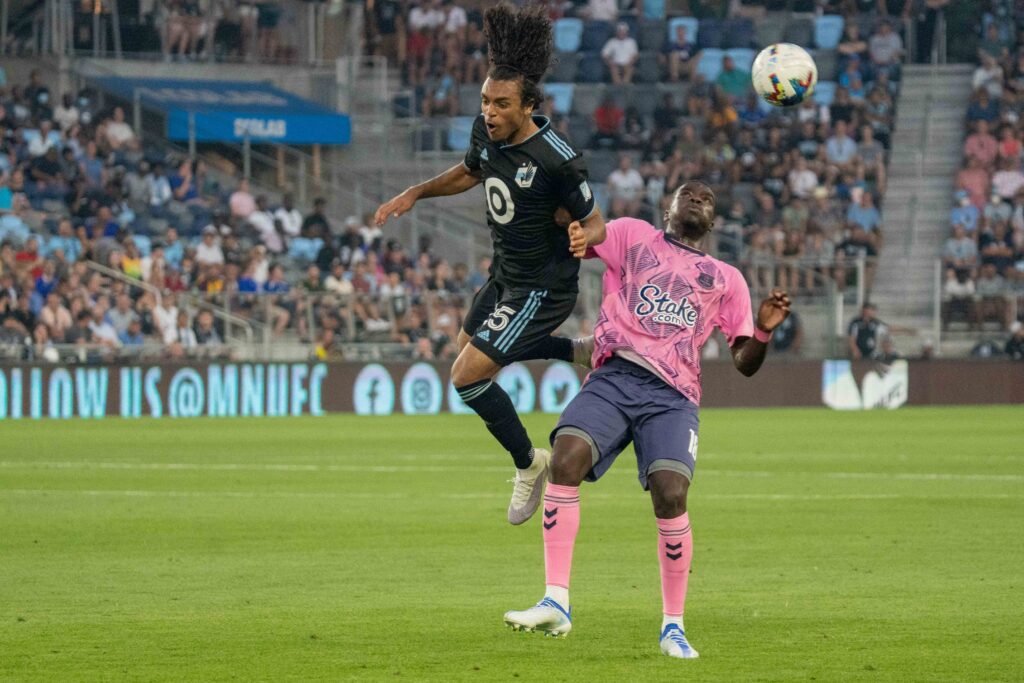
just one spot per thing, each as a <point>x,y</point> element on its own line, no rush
<point>784,74</point>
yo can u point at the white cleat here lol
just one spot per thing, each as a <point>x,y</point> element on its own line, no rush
<point>528,488</point>
<point>547,616</point>
<point>674,643</point>
<point>583,351</point>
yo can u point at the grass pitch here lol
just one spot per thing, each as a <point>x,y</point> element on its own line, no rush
<point>828,546</point>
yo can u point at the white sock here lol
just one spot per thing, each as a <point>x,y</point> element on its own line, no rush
<point>558,594</point>
<point>668,619</point>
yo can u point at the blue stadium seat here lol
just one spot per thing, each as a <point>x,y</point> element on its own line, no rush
<point>654,9</point>
<point>828,31</point>
<point>595,35</point>
<point>304,248</point>
<point>825,92</point>
<point>710,64</point>
<point>651,35</point>
<point>692,28</point>
<point>738,33</point>
<point>143,243</point>
<point>709,34</point>
<point>568,33</point>
<point>460,128</point>
<point>592,69</point>
<point>601,195</point>
<point>561,95</point>
<point>743,57</point>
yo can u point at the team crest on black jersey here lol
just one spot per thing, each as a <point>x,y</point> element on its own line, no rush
<point>525,175</point>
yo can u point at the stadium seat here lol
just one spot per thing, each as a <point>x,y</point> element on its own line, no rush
<point>648,70</point>
<point>304,249</point>
<point>469,100</point>
<point>828,31</point>
<point>651,35</point>
<point>561,95</point>
<point>692,28</point>
<point>460,128</point>
<point>600,194</point>
<point>592,69</point>
<point>828,64</point>
<point>825,92</point>
<point>427,136</point>
<point>710,34</point>
<point>586,98</point>
<point>738,33</point>
<point>143,244</point>
<point>565,68</point>
<point>580,131</point>
<point>799,31</point>
<point>645,98</point>
<point>595,35</point>
<point>743,57</point>
<point>710,64</point>
<point>769,30</point>
<point>601,163</point>
<point>568,33</point>
<point>654,9</point>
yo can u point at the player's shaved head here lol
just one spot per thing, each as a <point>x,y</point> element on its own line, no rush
<point>692,212</point>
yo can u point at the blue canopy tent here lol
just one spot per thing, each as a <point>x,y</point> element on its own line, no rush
<point>233,111</point>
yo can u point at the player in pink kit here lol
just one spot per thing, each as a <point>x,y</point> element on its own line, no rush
<point>663,296</point>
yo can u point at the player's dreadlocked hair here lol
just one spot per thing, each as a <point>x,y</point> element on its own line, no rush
<point>519,46</point>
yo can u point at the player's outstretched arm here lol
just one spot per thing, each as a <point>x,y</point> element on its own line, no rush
<point>587,233</point>
<point>455,180</point>
<point>748,352</point>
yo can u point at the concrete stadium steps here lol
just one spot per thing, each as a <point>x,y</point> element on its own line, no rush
<point>925,157</point>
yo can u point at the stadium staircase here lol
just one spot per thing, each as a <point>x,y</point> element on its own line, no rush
<point>925,157</point>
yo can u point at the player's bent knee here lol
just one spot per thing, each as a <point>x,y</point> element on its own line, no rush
<point>571,459</point>
<point>668,493</point>
<point>472,366</point>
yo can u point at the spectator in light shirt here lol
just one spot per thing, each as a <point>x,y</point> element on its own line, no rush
<point>620,54</point>
<point>288,216</point>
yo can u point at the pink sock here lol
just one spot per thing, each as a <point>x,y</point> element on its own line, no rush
<point>561,522</point>
<point>675,550</point>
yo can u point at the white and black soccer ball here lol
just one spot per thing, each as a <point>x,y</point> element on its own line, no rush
<point>784,74</point>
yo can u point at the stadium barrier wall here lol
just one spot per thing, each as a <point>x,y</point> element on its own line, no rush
<point>226,389</point>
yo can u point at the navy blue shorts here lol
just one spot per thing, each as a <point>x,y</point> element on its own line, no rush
<point>622,402</point>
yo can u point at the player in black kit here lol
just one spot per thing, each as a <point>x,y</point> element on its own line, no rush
<point>528,172</point>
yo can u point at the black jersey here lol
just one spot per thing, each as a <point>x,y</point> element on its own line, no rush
<point>524,185</point>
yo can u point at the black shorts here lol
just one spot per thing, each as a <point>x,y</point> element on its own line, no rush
<point>506,323</point>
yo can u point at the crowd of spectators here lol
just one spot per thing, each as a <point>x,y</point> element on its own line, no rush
<point>78,188</point>
<point>984,253</point>
<point>183,30</point>
<point>800,190</point>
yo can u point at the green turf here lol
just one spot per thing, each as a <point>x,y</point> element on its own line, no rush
<point>829,546</point>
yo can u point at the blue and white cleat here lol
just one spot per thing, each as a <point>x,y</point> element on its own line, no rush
<point>547,616</point>
<point>674,643</point>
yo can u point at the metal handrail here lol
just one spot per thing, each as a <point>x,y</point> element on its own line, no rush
<point>126,279</point>
<point>196,301</point>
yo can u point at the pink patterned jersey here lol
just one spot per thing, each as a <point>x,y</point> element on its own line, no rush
<point>661,300</point>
